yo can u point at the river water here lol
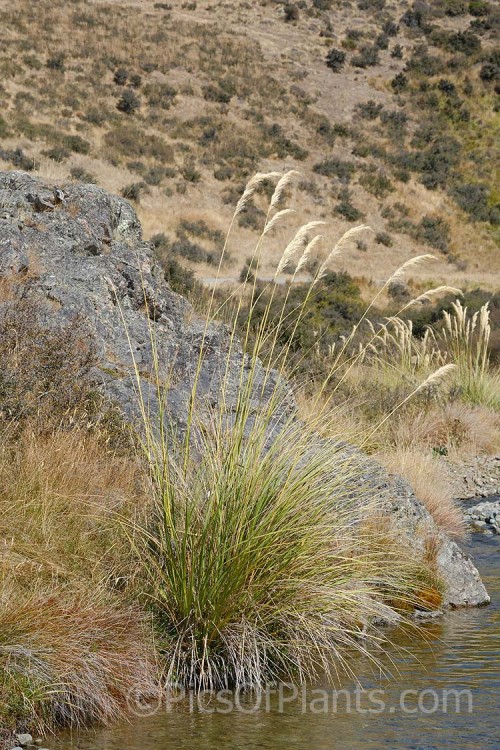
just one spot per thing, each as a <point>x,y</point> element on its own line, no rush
<point>456,653</point>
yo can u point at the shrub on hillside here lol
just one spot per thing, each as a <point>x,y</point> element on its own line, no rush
<point>129,102</point>
<point>474,198</point>
<point>120,76</point>
<point>334,167</point>
<point>335,59</point>
<point>369,110</point>
<point>366,57</point>
<point>399,83</point>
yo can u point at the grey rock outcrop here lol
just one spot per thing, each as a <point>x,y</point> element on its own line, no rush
<point>485,516</point>
<point>79,250</point>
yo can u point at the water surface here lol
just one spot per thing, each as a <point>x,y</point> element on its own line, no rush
<point>458,652</point>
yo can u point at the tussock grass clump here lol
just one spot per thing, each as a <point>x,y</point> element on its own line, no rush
<point>259,561</point>
<point>460,339</point>
<point>69,660</point>
<point>255,562</point>
<point>466,339</point>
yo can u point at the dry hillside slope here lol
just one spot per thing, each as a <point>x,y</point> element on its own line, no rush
<point>386,108</point>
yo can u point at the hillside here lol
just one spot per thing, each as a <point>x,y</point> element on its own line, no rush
<point>387,110</point>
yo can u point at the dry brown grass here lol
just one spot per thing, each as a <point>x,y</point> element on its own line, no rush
<point>59,496</point>
<point>71,644</point>
<point>461,429</point>
<point>70,659</point>
<point>431,485</point>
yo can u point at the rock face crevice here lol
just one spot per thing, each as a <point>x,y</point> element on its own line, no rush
<point>82,250</point>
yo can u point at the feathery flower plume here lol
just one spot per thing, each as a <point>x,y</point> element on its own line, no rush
<point>297,242</point>
<point>432,293</point>
<point>281,186</point>
<point>339,247</point>
<point>435,377</point>
<point>251,187</point>
<point>307,252</point>
<point>399,272</point>
<point>276,218</point>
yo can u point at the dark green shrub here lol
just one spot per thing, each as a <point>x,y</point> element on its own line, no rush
<point>367,57</point>
<point>95,115</point>
<point>57,153</point>
<point>252,217</point>
<point>335,168</point>
<point>343,131</point>
<point>18,159</point>
<point>434,232</point>
<point>130,141</point>
<point>56,62</point>
<point>120,77</point>
<point>474,199</point>
<point>189,250</point>
<point>416,16</point>
<point>160,243</point>
<point>489,72</point>
<point>390,28</point>
<point>136,80</point>
<point>180,279</point>
<point>281,144</point>
<point>397,52</point>
<point>479,8</point>
<point>371,4</point>
<point>224,172</point>
<point>81,175</point>
<point>436,160</point>
<point>4,128</point>
<point>455,7</point>
<point>291,12</point>
<point>210,135</point>
<point>369,110</point>
<point>377,183</point>
<point>216,94</point>
<point>463,41</point>
<point>382,41</point>
<point>394,121</point>
<point>383,238</point>
<point>247,273</point>
<point>129,102</point>
<point>77,144</point>
<point>190,172</point>
<point>160,95</point>
<point>423,63</point>
<point>201,229</point>
<point>133,191</point>
<point>335,59</point>
<point>399,83</point>
<point>447,87</point>
<point>346,209</point>
<point>155,175</point>
<point>354,34</point>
